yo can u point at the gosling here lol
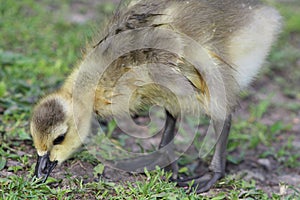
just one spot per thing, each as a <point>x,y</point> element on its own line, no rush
<point>198,47</point>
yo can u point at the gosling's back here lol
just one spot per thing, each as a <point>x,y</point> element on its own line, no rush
<point>236,34</point>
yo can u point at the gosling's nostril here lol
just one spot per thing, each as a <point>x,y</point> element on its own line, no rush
<point>44,170</point>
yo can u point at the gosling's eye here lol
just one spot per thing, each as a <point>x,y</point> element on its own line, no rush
<point>59,139</point>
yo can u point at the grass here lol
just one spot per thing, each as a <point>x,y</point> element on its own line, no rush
<point>39,47</point>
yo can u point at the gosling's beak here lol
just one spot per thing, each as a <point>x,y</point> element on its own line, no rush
<point>44,167</point>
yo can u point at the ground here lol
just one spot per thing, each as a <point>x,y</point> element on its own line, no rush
<point>43,40</point>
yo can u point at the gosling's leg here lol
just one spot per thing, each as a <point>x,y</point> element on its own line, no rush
<point>168,143</point>
<point>164,156</point>
<point>217,166</point>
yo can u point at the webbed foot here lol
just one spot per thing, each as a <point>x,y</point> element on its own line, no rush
<point>200,183</point>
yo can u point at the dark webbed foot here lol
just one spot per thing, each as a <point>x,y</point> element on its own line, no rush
<point>201,183</point>
<point>217,166</point>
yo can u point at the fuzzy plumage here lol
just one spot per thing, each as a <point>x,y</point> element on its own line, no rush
<point>192,49</point>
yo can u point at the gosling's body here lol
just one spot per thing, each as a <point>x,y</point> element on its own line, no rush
<point>236,36</point>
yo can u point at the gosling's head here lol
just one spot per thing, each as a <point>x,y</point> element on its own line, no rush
<point>54,134</point>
